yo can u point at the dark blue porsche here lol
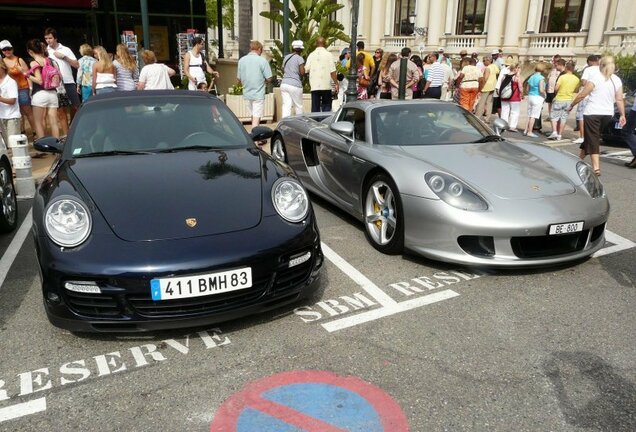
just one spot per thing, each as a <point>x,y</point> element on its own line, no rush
<point>160,212</point>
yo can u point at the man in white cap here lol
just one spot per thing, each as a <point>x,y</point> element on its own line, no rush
<point>291,87</point>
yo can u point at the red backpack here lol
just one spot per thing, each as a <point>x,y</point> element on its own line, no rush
<point>51,77</point>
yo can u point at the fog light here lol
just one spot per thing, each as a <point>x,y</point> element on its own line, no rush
<point>82,287</point>
<point>299,259</point>
<point>53,298</point>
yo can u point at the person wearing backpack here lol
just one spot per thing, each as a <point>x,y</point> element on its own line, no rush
<point>43,100</point>
<point>511,93</point>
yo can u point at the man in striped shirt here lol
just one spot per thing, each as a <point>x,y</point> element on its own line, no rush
<point>434,80</point>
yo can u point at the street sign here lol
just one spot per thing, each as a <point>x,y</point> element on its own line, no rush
<point>310,401</point>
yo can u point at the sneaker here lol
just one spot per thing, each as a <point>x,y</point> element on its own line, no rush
<point>532,135</point>
<point>578,141</point>
<point>525,133</point>
<point>553,135</point>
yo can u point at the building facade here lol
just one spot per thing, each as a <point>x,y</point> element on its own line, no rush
<point>530,29</point>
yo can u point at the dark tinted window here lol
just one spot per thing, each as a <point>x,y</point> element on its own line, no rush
<point>154,124</point>
<point>424,124</point>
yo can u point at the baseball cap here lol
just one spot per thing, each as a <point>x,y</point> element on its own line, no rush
<point>5,44</point>
<point>494,52</point>
<point>345,51</point>
<point>463,52</point>
<point>297,44</point>
<point>440,50</point>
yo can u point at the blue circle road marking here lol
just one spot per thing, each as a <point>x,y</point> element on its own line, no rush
<point>310,401</point>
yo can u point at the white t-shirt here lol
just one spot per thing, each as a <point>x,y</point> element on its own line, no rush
<point>155,77</point>
<point>65,68</point>
<point>590,72</point>
<point>9,89</point>
<point>601,100</point>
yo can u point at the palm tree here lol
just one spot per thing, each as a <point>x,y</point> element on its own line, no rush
<point>308,20</point>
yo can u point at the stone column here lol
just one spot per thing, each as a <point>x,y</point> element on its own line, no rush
<point>435,20</point>
<point>377,23</point>
<point>451,17</point>
<point>514,25</point>
<point>365,18</point>
<point>587,12</point>
<point>496,19</point>
<point>421,10</point>
<point>534,11</point>
<point>597,23</point>
<point>624,15</point>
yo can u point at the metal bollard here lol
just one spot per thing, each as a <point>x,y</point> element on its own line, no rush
<point>24,183</point>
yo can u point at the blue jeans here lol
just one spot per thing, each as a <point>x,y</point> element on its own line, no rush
<point>628,130</point>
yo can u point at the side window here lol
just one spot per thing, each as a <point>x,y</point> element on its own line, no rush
<point>355,116</point>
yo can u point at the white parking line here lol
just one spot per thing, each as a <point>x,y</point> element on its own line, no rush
<point>12,251</point>
<point>388,310</point>
<point>372,289</point>
<point>620,243</point>
<point>22,409</point>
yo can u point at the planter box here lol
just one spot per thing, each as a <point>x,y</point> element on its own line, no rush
<point>306,103</point>
<point>237,105</point>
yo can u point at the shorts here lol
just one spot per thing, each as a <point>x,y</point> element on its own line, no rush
<point>560,110</point>
<point>44,99</point>
<point>72,95</point>
<point>255,108</point>
<point>24,97</point>
<point>594,125</point>
<point>549,97</point>
<point>580,108</point>
<point>535,103</point>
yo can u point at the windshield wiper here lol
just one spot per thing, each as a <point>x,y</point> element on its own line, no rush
<point>113,153</point>
<point>194,147</point>
<point>489,138</point>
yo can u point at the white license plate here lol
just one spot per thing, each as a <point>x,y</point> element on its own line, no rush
<point>565,228</point>
<point>201,285</point>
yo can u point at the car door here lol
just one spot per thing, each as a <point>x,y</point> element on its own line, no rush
<point>335,163</point>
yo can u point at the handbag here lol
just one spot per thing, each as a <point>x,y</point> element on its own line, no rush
<point>363,82</point>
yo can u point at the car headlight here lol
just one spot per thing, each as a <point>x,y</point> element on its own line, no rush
<point>590,180</point>
<point>455,192</point>
<point>290,199</point>
<point>67,222</point>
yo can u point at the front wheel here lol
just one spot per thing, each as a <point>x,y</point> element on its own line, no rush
<point>383,218</point>
<point>8,199</point>
<point>278,149</point>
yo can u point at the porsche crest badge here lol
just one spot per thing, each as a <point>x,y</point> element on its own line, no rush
<point>191,222</point>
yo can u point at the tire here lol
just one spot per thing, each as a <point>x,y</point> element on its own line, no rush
<point>279,152</point>
<point>383,216</point>
<point>8,199</point>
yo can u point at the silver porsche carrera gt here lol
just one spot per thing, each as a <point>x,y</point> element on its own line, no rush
<point>430,177</point>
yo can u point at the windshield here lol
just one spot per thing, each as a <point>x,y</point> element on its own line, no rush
<point>152,124</point>
<point>425,124</point>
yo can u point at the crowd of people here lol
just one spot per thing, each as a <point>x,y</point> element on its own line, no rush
<point>46,89</point>
<point>492,85</point>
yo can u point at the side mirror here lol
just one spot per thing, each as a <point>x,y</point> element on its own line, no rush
<point>49,144</point>
<point>500,125</point>
<point>343,128</point>
<point>261,133</point>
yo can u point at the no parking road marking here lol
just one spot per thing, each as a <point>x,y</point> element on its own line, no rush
<point>311,401</point>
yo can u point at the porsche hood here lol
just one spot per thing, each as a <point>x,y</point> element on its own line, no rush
<point>500,168</point>
<point>176,195</point>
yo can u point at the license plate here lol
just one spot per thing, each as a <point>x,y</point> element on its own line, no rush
<point>201,285</point>
<point>565,228</point>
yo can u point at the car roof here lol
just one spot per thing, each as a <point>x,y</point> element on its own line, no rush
<point>373,103</point>
<point>162,94</point>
